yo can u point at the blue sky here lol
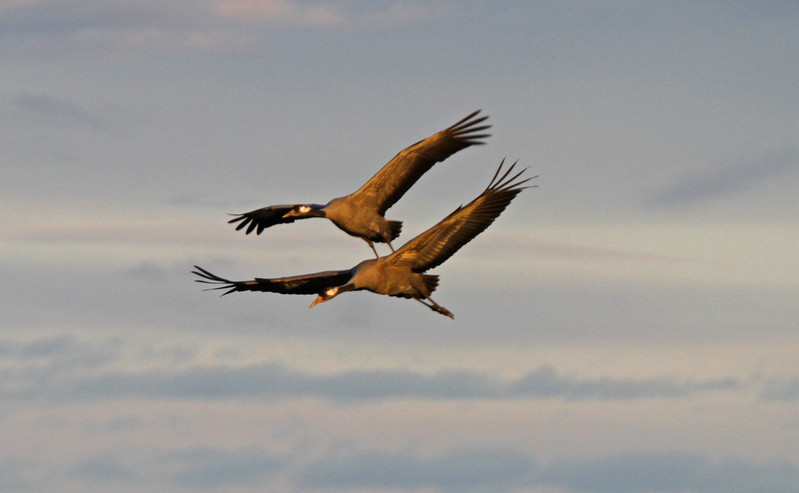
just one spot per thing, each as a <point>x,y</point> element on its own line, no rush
<point>627,326</point>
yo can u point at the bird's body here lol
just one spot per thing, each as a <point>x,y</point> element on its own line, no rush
<point>357,218</point>
<point>401,273</point>
<point>384,275</point>
<point>362,213</point>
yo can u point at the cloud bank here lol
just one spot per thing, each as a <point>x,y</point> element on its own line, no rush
<point>456,470</point>
<point>87,372</point>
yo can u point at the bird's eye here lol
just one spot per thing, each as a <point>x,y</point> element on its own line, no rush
<point>331,291</point>
<point>304,209</point>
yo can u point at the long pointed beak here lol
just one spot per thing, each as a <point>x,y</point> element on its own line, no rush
<point>289,214</point>
<point>318,299</point>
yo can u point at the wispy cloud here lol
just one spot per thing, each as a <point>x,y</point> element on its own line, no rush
<point>276,381</point>
<point>670,471</point>
<point>285,11</point>
<point>51,27</point>
<point>94,377</point>
<point>347,466</point>
<point>324,14</point>
<point>782,389</point>
<point>468,468</point>
<point>729,180</point>
<point>210,467</point>
<point>191,468</point>
<point>44,109</point>
<point>464,470</point>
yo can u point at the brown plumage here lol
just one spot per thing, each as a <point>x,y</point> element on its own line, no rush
<point>400,273</point>
<point>361,213</point>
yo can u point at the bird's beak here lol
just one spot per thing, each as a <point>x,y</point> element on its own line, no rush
<point>290,214</point>
<point>318,299</point>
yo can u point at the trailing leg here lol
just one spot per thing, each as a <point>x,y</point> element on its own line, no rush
<point>436,307</point>
<point>372,246</point>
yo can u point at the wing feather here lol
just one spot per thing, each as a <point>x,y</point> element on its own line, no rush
<point>437,244</point>
<point>260,219</point>
<point>306,284</point>
<point>389,184</point>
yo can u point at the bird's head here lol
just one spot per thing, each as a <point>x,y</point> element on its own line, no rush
<point>305,210</point>
<point>332,292</point>
<point>325,295</point>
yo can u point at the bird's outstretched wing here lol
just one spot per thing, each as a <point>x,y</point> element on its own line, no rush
<point>260,219</point>
<point>306,284</point>
<point>389,184</point>
<point>440,242</point>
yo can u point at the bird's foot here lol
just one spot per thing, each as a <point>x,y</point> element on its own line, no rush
<point>440,309</point>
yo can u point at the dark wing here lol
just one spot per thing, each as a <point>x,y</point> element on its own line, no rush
<point>307,284</point>
<point>386,187</point>
<point>262,218</point>
<point>440,242</point>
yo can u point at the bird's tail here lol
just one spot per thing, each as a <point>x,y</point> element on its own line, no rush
<point>430,283</point>
<point>396,229</point>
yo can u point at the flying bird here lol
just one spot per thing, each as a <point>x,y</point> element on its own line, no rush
<point>362,213</point>
<point>401,273</point>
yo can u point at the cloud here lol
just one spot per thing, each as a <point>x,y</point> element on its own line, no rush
<point>52,111</point>
<point>148,270</point>
<point>210,467</point>
<point>104,469</point>
<point>464,469</point>
<point>54,354</point>
<point>46,346</point>
<point>324,14</point>
<point>11,476</point>
<point>497,469</point>
<point>191,468</point>
<point>287,11</point>
<point>52,27</point>
<point>272,380</point>
<point>547,382</point>
<point>480,469</point>
<point>67,369</point>
<point>49,26</point>
<point>785,389</point>
<point>669,471</point>
<point>728,181</point>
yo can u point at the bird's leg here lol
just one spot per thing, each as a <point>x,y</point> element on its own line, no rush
<point>436,307</point>
<point>372,246</point>
<point>391,247</point>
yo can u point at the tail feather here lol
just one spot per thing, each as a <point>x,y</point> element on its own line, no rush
<point>396,229</point>
<point>430,283</point>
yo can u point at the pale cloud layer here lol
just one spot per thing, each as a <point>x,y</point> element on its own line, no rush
<point>275,381</point>
<point>103,27</point>
<point>271,410</point>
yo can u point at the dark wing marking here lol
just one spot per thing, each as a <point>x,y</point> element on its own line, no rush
<point>306,284</point>
<point>440,242</point>
<point>262,218</point>
<point>389,184</point>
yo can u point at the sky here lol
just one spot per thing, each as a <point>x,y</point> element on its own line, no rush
<point>629,325</point>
